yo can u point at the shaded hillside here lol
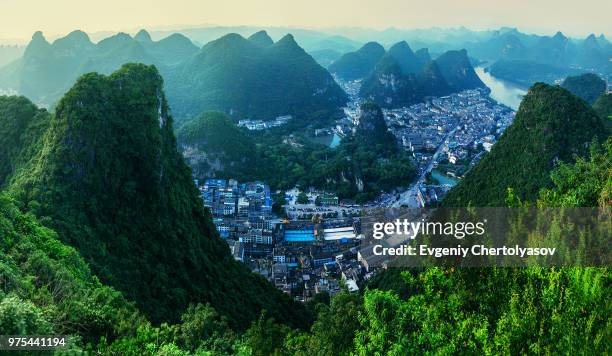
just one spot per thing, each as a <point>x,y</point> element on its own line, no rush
<point>457,70</point>
<point>325,57</point>
<point>112,183</point>
<point>603,105</point>
<point>551,125</point>
<point>48,288</point>
<point>407,60</point>
<point>246,80</point>
<point>388,86</point>
<point>372,130</point>
<point>261,38</point>
<point>214,147</point>
<point>588,86</point>
<point>526,72</point>
<point>21,127</point>
<point>358,64</point>
<point>393,85</point>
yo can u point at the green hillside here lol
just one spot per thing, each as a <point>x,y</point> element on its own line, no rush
<point>457,70</point>
<point>248,80</point>
<point>603,105</point>
<point>47,287</point>
<point>588,86</point>
<point>22,125</point>
<point>111,182</point>
<point>551,125</point>
<point>388,86</point>
<point>214,147</point>
<point>358,64</point>
<point>401,78</point>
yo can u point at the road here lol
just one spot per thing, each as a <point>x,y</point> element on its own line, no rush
<point>409,197</point>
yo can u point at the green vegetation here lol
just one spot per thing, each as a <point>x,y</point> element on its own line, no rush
<point>110,180</point>
<point>213,146</point>
<point>47,288</point>
<point>407,60</point>
<point>104,236</point>
<point>588,87</point>
<point>588,182</point>
<point>551,125</point>
<point>302,198</point>
<point>603,105</point>
<point>439,310</point>
<point>457,70</point>
<point>352,170</point>
<point>359,168</point>
<point>247,80</point>
<point>358,64</point>
<point>401,78</point>
<point>21,127</point>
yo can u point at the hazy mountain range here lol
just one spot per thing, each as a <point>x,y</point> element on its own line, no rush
<point>274,74</point>
<point>401,77</point>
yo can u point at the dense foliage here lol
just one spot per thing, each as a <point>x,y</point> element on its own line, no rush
<point>401,78</point>
<point>358,64</point>
<point>359,168</point>
<point>248,80</point>
<point>104,175</point>
<point>47,288</point>
<point>21,127</point>
<point>588,86</point>
<point>214,146</point>
<point>244,78</point>
<point>438,310</point>
<point>527,72</point>
<point>551,125</point>
<point>110,180</point>
<point>457,70</point>
<point>603,106</point>
<point>588,182</point>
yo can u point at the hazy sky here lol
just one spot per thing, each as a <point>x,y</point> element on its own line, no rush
<point>20,18</point>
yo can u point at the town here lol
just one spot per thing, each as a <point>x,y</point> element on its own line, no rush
<point>309,242</point>
<point>316,251</point>
<point>446,136</point>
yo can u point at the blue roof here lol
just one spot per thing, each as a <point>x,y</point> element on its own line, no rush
<point>305,235</point>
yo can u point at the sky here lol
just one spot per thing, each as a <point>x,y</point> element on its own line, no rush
<point>19,19</point>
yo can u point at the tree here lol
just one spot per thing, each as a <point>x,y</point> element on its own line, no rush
<point>302,198</point>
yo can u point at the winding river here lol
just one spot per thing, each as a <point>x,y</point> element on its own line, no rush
<point>502,91</point>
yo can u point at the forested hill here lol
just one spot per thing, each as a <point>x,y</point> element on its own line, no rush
<point>110,180</point>
<point>21,127</point>
<point>213,146</point>
<point>252,79</point>
<point>551,125</point>
<point>603,106</point>
<point>588,86</point>
<point>401,78</point>
<point>358,64</point>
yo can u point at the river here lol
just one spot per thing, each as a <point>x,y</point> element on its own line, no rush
<point>502,91</point>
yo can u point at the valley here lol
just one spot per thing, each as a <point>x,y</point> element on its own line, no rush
<point>211,190</point>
